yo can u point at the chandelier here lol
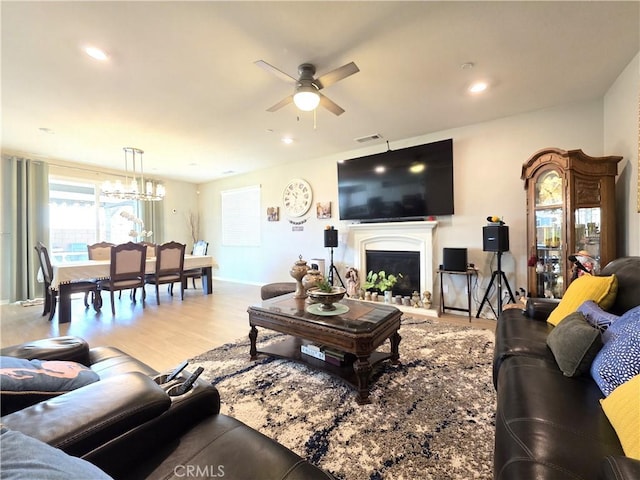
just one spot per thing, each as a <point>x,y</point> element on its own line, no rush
<point>131,190</point>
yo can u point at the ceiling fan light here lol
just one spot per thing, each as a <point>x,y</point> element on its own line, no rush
<point>306,98</point>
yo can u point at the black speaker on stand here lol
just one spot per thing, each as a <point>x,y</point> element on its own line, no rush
<point>495,238</point>
<point>331,241</point>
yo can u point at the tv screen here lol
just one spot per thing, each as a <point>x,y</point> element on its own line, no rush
<point>410,183</point>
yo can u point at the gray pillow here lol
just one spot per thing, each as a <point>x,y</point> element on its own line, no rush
<point>574,344</point>
<point>26,458</point>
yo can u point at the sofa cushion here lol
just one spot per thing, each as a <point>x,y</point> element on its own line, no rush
<point>26,458</point>
<point>601,290</point>
<point>25,382</point>
<point>543,418</point>
<point>622,408</point>
<point>619,359</point>
<point>519,335</point>
<point>574,344</point>
<point>626,271</point>
<point>596,316</point>
<point>224,447</point>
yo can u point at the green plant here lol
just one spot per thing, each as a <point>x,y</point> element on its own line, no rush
<point>325,286</point>
<point>381,280</point>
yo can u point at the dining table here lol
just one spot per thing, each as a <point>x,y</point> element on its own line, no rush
<point>65,273</point>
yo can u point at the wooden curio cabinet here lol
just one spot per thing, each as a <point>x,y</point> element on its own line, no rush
<point>570,208</point>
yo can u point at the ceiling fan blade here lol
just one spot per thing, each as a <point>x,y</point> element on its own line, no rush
<point>282,103</point>
<point>275,71</point>
<point>330,105</point>
<point>336,75</point>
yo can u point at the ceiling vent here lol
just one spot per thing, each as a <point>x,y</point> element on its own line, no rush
<point>368,138</point>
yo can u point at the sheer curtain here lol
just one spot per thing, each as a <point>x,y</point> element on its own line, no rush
<point>152,216</point>
<point>25,221</point>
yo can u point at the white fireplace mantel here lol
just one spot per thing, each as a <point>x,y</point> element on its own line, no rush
<point>396,236</point>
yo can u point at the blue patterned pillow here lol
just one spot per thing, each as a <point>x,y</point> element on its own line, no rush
<point>596,316</point>
<point>619,359</point>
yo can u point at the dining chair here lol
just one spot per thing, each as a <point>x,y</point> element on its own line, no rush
<point>51,295</point>
<point>98,251</point>
<point>128,261</point>
<point>169,268</point>
<point>199,249</point>
<point>151,249</point>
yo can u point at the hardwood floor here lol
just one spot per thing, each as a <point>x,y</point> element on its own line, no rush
<point>159,335</point>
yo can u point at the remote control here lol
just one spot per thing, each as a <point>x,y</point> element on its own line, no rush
<point>177,371</point>
<point>186,386</point>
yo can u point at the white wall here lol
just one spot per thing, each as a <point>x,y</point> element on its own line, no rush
<point>488,158</point>
<point>180,200</point>
<point>622,137</point>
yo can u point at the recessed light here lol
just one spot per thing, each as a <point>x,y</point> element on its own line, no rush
<point>96,53</point>
<point>478,87</point>
<point>46,130</point>
<point>287,140</point>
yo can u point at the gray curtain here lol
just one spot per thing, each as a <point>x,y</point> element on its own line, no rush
<point>25,221</point>
<point>153,218</point>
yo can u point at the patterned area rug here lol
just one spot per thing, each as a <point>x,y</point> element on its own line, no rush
<point>432,417</point>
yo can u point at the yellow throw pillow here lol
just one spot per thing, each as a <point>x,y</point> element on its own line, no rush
<point>622,408</point>
<point>601,290</point>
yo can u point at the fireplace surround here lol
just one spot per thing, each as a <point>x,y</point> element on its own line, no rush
<point>396,236</point>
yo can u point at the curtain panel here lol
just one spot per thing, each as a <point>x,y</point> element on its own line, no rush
<point>153,218</point>
<point>25,221</point>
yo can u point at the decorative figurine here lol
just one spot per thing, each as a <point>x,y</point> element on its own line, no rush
<point>353,283</point>
<point>415,299</point>
<point>426,299</point>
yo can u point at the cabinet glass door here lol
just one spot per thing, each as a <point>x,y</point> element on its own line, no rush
<point>549,214</point>
<point>587,235</point>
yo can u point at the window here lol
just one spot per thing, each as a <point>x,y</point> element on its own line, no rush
<point>79,216</point>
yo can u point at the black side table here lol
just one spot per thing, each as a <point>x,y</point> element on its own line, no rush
<point>470,272</point>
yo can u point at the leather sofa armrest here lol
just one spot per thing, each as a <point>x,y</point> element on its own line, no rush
<point>619,468</point>
<point>540,308</point>
<point>67,348</point>
<point>79,421</point>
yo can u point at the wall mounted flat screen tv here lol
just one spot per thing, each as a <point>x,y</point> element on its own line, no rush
<point>407,184</point>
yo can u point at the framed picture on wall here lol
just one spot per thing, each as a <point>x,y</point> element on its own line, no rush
<point>273,214</point>
<point>323,209</point>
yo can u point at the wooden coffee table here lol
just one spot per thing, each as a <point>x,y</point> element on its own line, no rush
<point>358,332</point>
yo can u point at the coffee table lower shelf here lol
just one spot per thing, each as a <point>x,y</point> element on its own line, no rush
<point>290,349</point>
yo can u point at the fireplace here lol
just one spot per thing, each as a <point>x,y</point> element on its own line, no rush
<point>395,262</point>
<point>415,237</point>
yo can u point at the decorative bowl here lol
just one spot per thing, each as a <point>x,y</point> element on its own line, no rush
<point>327,299</point>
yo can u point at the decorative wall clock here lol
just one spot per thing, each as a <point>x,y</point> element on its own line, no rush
<point>297,197</point>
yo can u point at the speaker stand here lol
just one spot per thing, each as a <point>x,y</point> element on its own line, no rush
<point>332,269</point>
<point>500,276</point>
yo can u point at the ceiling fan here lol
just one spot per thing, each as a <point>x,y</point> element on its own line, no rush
<point>306,94</point>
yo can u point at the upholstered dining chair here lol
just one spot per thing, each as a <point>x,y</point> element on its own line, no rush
<point>199,249</point>
<point>151,249</point>
<point>128,261</point>
<point>169,268</point>
<point>51,295</point>
<point>98,251</point>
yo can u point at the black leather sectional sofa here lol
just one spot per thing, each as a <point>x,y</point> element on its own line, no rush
<point>132,425</point>
<point>550,426</point>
